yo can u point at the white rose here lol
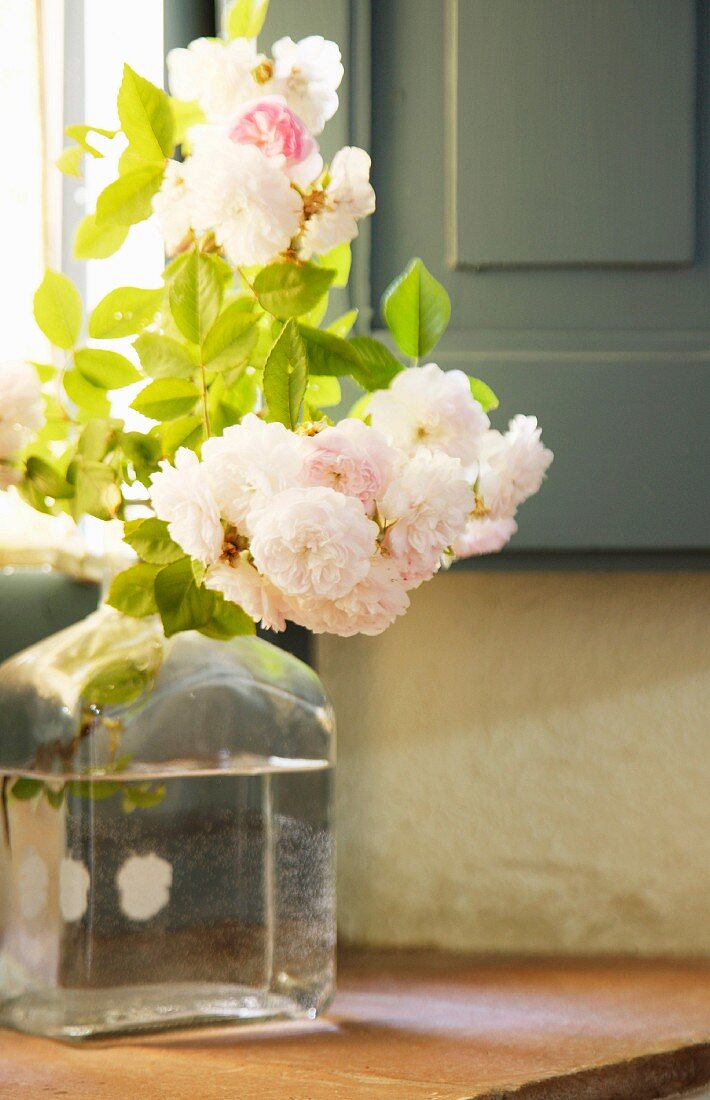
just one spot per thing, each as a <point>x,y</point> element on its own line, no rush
<point>483,535</point>
<point>512,466</point>
<point>243,195</point>
<point>241,583</point>
<point>181,496</point>
<point>431,408</point>
<point>313,542</point>
<point>369,608</point>
<point>172,207</point>
<point>333,213</point>
<point>307,74</point>
<point>219,75</point>
<point>249,464</point>
<point>426,509</point>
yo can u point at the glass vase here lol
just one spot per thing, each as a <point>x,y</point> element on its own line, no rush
<point>166,844</point>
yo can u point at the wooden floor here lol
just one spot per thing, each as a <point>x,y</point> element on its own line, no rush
<point>417,1027</point>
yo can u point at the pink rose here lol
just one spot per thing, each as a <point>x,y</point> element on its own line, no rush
<point>272,126</point>
<point>352,458</point>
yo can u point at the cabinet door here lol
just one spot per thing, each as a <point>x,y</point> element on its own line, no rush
<point>549,160</point>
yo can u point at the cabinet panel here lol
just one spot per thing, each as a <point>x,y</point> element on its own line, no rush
<point>573,132</point>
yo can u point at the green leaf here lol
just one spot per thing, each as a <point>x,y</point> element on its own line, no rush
<point>45,371</point>
<point>289,290</point>
<point>416,309</point>
<point>123,312</point>
<point>342,326</point>
<point>47,479</point>
<point>121,681</point>
<point>57,309</point>
<point>245,18</point>
<point>128,199</point>
<point>97,438</point>
<point>166,398</point>
<point>182,605</point>
<point>151,541</point>
<point>340,260</point>
<point>285,376</point>
<point>323,391</point>
<point>142,796</point>
<point>379,365</point>
<point>69,160</point>
<point>231,339</point>
<point>106,369</point>
<point>143,451</point>
<point>196,296</point>
<point>132,591</point>
<point>361,409</point>
<point>162,357</point>
<point>180,433</point>
<point>25,788</point>
<point>84,394</point>
<point>95,490</point>
<point>95,242</point>
<point>146,117</point>
<point>330,354</point>
<point>228,620</point>
<point>483,394</point>
<point>97,790</point>
<point>80,134</point>
<point>54,797</point>
<point>186,114</point>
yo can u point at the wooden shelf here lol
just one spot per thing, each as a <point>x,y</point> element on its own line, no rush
<point>416,1026</point>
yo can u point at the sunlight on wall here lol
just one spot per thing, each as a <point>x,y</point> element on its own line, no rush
<point>21,189</point>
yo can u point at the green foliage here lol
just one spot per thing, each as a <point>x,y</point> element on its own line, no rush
<point>416,309</point>
<point>330,354</point>
<point>57,309</point>
<point>323,391</point>
<point>120,681</point>
<point>231,339</point>
<point>98,437</point>
<point>123,312</point>
<point>166,398</point>
<point>227,621</point>
<point>289,290</point>
<point>181,603</point>
<point>95,242</point>
<point>245,18</point>
<point>132,591</point>
<point>24,788</point>
<point>162,357</point>
<point>106,369</point>
<point>151,541</point>
<point>84,394</point>
<point>196,296</point>
<point>379,365</point>
<point>146,117</point>
<point>342,326</point>
<point>69,160</point>
<point>143,452</point>
<point>339,259</point>
<point>186,113</point>
<point>128,199</point>
<point>285,376</point>
<point>142,796</point>
<point>185,431</point>
<point>96,492</point>
<point>483,394</point>
<point>47,479</point>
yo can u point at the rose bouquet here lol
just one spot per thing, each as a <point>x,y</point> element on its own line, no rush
<point>243,499</point>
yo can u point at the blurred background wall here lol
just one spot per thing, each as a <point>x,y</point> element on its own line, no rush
<point>524,765</point>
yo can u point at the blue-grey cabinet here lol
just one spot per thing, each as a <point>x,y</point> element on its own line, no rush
<point>549,161</point>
